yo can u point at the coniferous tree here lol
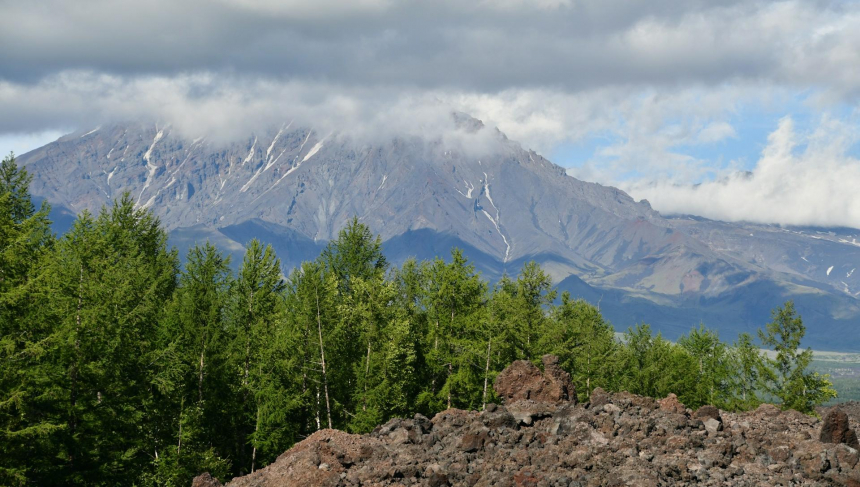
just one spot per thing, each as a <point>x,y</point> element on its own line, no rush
<point>584,343</point>
<point>712,374</point>
<point>109,279</point>
<point>29,425</point>
<point>370,310</point>
<point>257,303</point>
<point>534,294</point>
<point>454,298</point>
<point>311,299</point>
<point>787,377</point>
<point>748,363</point>
<point>355,253</point>
<point>655,367</point>
<point>395,395</point>
<point>194,376</point>
<point>356,262</point>
<point>115,374</point>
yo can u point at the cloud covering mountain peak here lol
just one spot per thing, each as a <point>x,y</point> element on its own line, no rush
<point>626,93</point>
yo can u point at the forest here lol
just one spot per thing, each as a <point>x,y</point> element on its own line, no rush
<point>124,364</point>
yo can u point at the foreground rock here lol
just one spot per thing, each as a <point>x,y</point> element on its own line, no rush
<point>613,440</point>
<point>522,381</point>
<point>835,429</point>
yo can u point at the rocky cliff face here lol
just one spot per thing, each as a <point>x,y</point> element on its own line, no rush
<point>296,188</point>
<point>539,438</point>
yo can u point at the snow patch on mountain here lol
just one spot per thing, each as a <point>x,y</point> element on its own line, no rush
<point>469,188</point>
<point>91,131</point>
<point>316,148</point>
<point>250,152</point>
<point>151,168</point>
<point>495,220</point>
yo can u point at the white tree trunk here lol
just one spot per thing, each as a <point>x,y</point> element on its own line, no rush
<point>486,374</point>
<point>322,360</point>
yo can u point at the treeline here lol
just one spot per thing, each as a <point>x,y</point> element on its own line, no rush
<point>121,367</point>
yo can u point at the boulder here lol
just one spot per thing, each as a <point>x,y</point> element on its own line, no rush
<point>558,381</point>
<point>712,426</point>
<point>671,404</point>
<point>835,429</point>
<point>599,397</point>
<point>523,381</point>
<point>706,412</point>
<point>205,480</point>
<point>472,442</point>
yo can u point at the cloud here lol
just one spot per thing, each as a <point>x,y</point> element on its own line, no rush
<point>225,109</point>
<point>715,132</point>
<point>228,107</point>
<point>648,134</point>
<point>659,84</point>
<point>800,179</point>
<point>483,46</point>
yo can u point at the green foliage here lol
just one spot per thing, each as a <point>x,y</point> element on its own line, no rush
<point>118,368</point>
<point>584,343</point>
<point>29,425</point>
<point>453,299</point>
<point>713,369</point>
<point>355,253</point>
<point>312,318</point>
<point>749,364</point>
<point>655,367</point>
<point>786,376</point>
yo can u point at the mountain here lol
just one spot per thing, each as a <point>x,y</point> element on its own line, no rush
<point>296,188</point>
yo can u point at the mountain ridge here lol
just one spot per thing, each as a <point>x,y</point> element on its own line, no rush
<point>500,202</point>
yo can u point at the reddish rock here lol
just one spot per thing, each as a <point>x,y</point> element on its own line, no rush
<point>768,410</point>
<point>835,429</point>
<point>525,478</point>
<point>671,404</point>
<point>559,382</point>
<point>626,440</point>
<point>472,442</point>
<point>523,381</point>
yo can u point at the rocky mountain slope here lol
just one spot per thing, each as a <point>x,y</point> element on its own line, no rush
<point>295,187</point>
<point>540,438</point>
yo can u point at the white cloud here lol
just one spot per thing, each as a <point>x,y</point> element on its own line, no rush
<point>716,132</point>
<point>800,179</point>
<point>226,109</point>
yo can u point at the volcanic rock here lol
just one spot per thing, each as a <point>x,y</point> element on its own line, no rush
<point>835,429</point>
<point>671,404</point>
<point>523,381</point>
<point>706,412</point>
<point>618,439</point>
<point>205,480</point>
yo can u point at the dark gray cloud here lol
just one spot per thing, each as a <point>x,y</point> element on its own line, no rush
<point>483,46</point>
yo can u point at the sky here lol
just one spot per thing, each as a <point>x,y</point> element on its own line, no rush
<point>733,110</point>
